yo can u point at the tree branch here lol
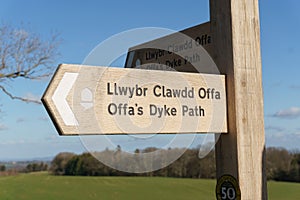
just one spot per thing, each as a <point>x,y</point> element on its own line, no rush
<point>19,98</point>
<point>27,55</point>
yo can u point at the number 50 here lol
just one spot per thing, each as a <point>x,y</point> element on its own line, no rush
<point>228,193</point>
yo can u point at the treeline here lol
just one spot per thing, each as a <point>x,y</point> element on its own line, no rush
<point>188,165</point>
<point>36,167</point>
<point>14,168</point>
<point>282,165</point>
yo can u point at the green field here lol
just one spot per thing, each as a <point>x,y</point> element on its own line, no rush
<point>42,186</point>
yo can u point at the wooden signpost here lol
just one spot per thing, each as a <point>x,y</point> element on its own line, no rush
<point>179,51</point>
<point>235,48</point>
<point>99,100</point>
<point>241,153</point>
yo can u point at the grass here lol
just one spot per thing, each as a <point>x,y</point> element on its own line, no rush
<point>46,187</point>
<point>283,190</point>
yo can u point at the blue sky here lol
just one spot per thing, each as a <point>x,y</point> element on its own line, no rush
<point>26,131</point>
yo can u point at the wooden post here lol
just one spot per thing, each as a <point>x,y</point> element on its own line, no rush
<point>236,37</point>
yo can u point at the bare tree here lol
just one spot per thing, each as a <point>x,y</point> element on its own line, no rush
<point>25,55</point>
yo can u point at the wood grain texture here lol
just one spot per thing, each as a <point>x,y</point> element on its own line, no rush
<point>100,105</point>
<point>236,32</point>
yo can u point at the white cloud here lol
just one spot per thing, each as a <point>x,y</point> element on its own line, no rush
<point>3,127</point>
<point>290,113</point>
<point>297,132</point>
